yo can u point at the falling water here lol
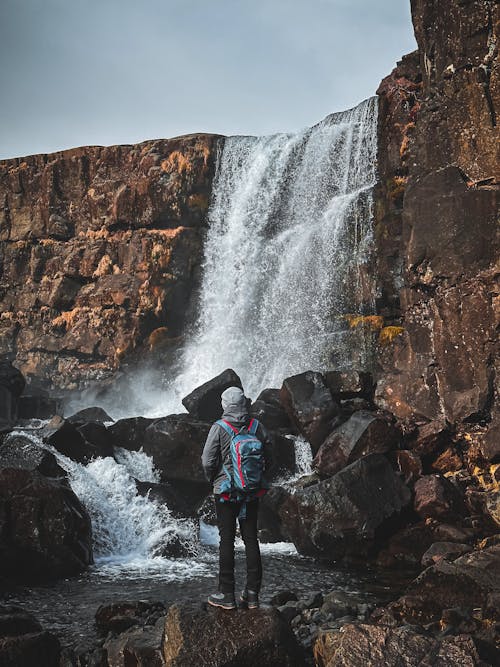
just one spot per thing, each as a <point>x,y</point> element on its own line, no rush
<point>289,227</point>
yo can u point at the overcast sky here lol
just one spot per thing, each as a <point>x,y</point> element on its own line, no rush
<point>77,72</point>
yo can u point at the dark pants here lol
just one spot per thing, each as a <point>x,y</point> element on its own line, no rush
<point>227,514</point>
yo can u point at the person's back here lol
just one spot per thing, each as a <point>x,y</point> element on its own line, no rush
<point>217,464</point>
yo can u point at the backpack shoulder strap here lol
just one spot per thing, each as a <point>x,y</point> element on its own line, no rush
<point>253,426</point>
<point>227,426</point>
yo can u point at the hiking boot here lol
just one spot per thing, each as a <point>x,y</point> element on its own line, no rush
<point>222,600</point>
<point>249,599</point>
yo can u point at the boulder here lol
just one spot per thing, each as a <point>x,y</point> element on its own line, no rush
<point>129,433</point>
<point>435,497</point>
<point>407,547</point>
<point>310,406</point>
<point>466,583</point>
<point>94,414</point>
<point>23,642</point>
<point>430,438</point>
<point>19,451</point>
<point>204,402</point>
<point>376,646</point>
<point>37,406</point>
<point>283,457</point>
<point>363,433</point>
<point>444,550</point>
<point>137,647</point>
<point>267,409</point>
<point>270,524</point>
<point>45,531</point>
<point>11,387</point>
<point>214,638</point>
<point>79,442</point>
<point>349,384</point>
<point>165,494</point>
<point>490,443</point>
<point>175,444</point>
<point>120,616</point>
<point>344,515</point>
<point>408,464</point>
<point>11,378</point>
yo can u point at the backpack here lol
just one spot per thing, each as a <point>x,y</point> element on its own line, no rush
<point>245,479</point>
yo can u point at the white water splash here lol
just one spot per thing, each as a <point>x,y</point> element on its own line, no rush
<point>130,532</point>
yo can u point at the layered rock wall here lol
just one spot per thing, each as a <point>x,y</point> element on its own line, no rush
<point>98,253</point>
<point>437,220</point>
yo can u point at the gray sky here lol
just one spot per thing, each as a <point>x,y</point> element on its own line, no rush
<point>77,72</point>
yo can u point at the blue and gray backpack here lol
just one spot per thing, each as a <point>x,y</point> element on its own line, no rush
<point>245,473</point>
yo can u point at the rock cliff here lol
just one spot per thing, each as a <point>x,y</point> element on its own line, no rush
<point>98,255</point>
<point>436,224</point>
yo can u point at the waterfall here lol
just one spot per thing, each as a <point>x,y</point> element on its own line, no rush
<point>289,227</point>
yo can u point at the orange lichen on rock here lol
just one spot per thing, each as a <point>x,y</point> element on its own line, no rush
<point>388,334</point>
<point>177,161</point>
<point>67,318</point>
<point>374,322</point>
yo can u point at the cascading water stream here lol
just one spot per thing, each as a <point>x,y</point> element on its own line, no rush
<point>289,227</point>
<point>130,532</point>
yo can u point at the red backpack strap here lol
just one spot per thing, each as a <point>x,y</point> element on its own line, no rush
<point>233,428</point>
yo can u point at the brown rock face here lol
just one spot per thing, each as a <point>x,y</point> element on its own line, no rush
<point>436,216</point>
<point>98,253</point>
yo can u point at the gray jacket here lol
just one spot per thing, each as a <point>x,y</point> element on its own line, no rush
<point>216,450</point>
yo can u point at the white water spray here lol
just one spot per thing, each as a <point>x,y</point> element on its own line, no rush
<point>130,532</point>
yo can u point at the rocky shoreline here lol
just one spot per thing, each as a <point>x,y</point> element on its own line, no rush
<point>372,498</point>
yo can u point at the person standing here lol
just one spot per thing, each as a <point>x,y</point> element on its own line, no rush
<point>220,460</point>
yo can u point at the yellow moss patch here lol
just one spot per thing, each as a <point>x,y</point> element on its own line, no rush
<point>374,322</point>
<point>388,334</point>
<point>177,161</point>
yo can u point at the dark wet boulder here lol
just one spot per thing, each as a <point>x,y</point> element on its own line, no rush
<point>120,616</point>
<point>175,443</point>
<point>349,384</point>
<point>310,406</point>
<point>23,642</point>
<point>343,516</point>
<point>408,464</point>
<point>283,457</point>
<point>374,646</point>
<point>165,494</point>
<point>204,402</point>
<point>206,511</point>
<point>444,550</point>
<point>468,583</point>
<point>363,433</point>
<point>214,638</point>
<point>45,532</point>
<point>268,409</point>
<point>19,451</point>
<point>79,442</point>
<point>129,433</point>
<point>12,384</point>
<point>435,497</point>
<point>37,406</point>
<point>271,528</point>
<point>94,414</point>
<point>429,439</point>
<point>137,646</point>
<point>11,378</point>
